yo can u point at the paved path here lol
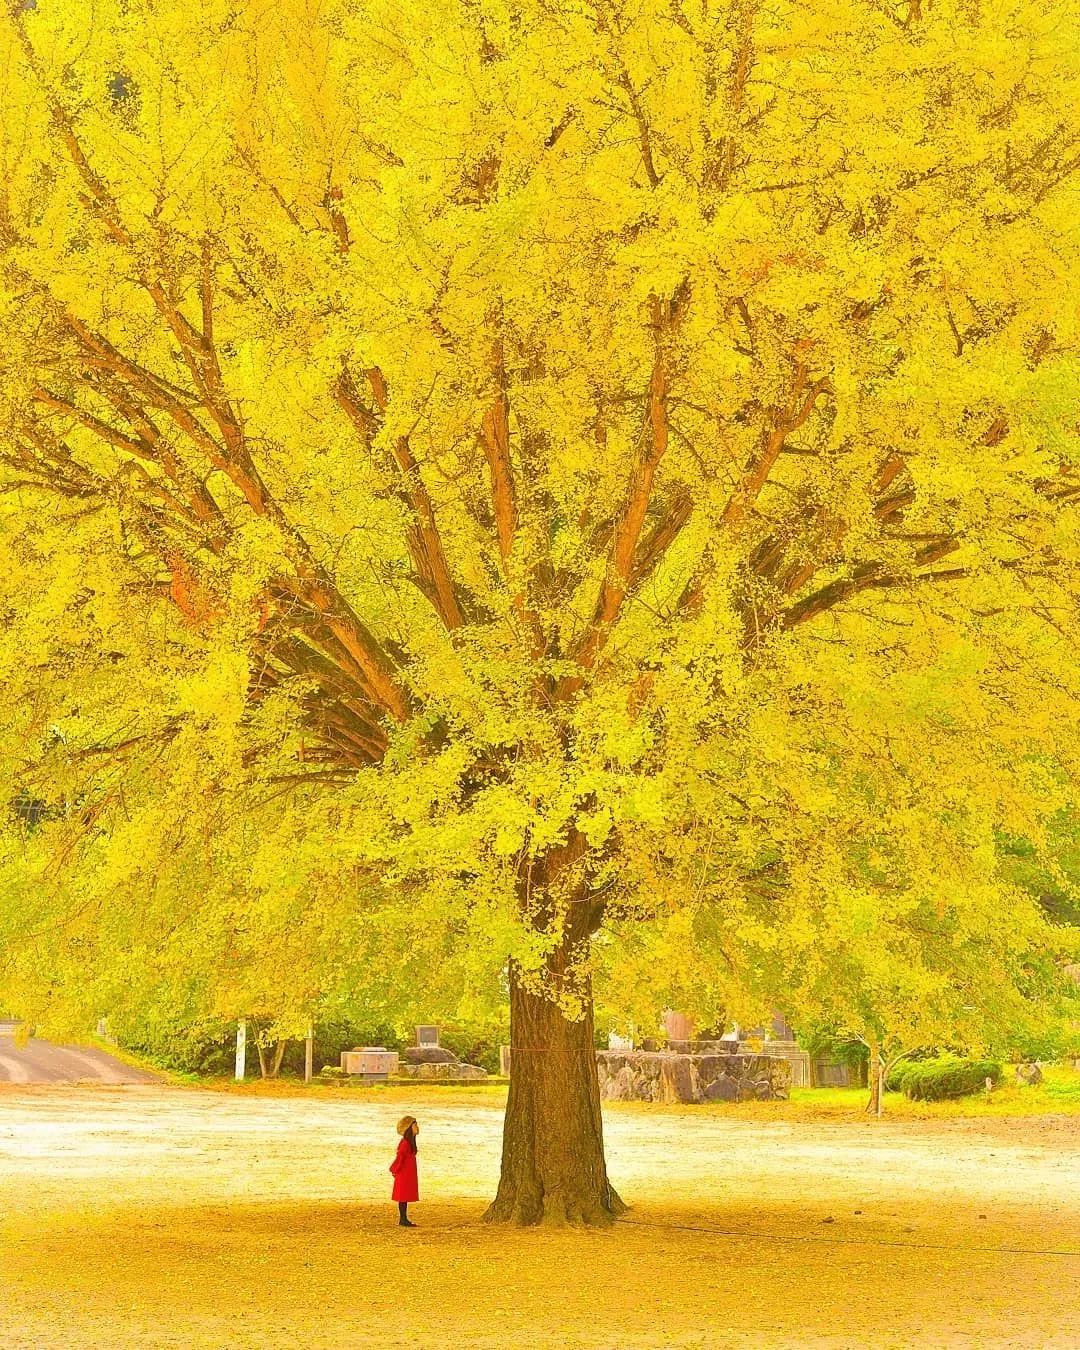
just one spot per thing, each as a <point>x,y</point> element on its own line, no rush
<point>43,1062</point>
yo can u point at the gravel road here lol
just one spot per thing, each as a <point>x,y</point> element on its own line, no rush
<point>42,1062</point>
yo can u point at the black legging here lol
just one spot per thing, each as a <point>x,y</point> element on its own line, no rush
<point>403,1210</point>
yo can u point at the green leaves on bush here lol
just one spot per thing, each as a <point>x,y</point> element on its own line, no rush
<point>943,1078</point>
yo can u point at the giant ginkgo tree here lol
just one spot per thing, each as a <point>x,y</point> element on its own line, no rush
<point>597,464</point>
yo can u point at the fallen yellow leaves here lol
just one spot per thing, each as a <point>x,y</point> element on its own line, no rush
<point>165,1217</point>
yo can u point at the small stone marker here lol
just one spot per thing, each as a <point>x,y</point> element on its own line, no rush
<point>504,1061</point>
<point>428,1035</point>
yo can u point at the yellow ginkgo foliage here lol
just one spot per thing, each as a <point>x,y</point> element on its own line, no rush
<point>589,469</point>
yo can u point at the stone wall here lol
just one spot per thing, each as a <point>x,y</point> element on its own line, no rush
<point>666,1076</point>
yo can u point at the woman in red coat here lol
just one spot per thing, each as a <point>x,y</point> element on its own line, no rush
<point>406,1187</point>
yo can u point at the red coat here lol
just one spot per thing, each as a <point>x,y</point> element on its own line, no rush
<point>406,1186</point>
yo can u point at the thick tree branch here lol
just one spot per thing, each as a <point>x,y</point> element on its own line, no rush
<point>625,83</point>
<point>653,443</point>
<point>198,495</point>
<point>652,549</point>
<point>784,421</point>
<point>865,577</point>
<point>495,438</point>
<point>107,433</point>
<point>425,541</point>
<point>719,161</point>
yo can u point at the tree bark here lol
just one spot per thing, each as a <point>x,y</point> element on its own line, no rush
<point>876,1078</point>
<point>270,1065</point>
<point>553,1167</point>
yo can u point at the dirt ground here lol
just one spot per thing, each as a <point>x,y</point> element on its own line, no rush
<point>166,1216</point>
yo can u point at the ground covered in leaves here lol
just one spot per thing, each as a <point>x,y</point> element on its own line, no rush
<point>170,1216</point>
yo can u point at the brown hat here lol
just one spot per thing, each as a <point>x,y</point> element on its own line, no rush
<point>404,1123</point>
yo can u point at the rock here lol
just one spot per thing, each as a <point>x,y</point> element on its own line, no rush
<point>455,1072</point>
<point>1029,1075</point>
<point>428,1054</point>
<point>709,1068</point>
<point>722,1089</point>
<point>624,1084</point>
<point>676,1080</point>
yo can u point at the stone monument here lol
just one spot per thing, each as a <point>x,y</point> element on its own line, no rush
<point>371,1063</point>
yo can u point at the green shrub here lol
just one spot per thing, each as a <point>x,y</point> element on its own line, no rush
<point>945,1078</point>
<point>206,1048</point>
<point>824,1044</point>
<point>897,1075</point>
<point>472,1046</point>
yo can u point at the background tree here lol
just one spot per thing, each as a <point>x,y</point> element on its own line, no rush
<point>598,461</point>
<point>900,972</point>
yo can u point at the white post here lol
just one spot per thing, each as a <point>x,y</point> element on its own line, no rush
<point>241,1049</point>
<point>309,1051</point>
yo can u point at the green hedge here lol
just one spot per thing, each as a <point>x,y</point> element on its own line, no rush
<point>475,1047</point>
<point>942,1079</point>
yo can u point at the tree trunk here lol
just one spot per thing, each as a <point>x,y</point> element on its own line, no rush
<point>553,1168</point>
<point>269,1066</point>
<point>875,1077</point>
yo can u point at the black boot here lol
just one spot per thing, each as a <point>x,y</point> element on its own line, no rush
<point>403,1215</point>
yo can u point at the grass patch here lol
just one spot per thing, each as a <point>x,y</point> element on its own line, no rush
<point>1059,1093</point>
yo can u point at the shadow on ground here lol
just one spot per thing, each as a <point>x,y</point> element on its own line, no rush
<point>340,1274</point>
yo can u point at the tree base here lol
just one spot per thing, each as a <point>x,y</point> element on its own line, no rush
<point>555,1211</point>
